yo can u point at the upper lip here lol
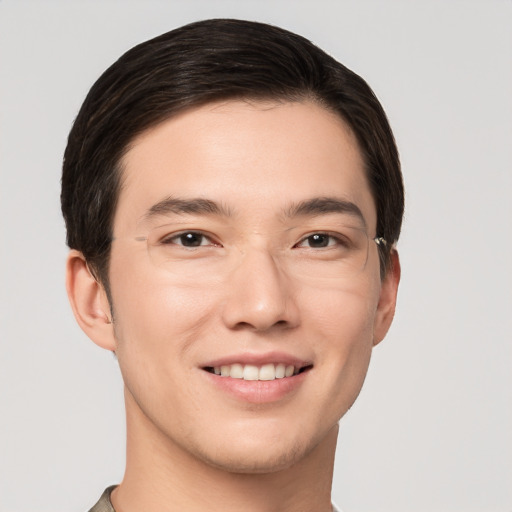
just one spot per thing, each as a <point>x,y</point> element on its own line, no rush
<point>258,359</point>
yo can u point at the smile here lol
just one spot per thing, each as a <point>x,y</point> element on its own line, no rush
<point>252,372</point>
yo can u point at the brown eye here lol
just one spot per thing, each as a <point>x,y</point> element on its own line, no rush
<point>189,239</point>
<point>318,240</point>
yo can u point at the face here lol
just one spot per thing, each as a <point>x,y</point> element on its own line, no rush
<point>232,254</point>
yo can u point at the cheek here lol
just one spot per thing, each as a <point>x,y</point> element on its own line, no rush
<point>156,324</point>
<point>344,313</point>
<point>343,320</point>
<point>348,342</point>
<point>155,320</point>
<point>154,313</point>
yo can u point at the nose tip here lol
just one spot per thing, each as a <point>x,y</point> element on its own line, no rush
<point>260,296</point>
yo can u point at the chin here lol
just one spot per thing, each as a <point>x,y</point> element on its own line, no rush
<point>255,452</point>
<point>255,462</point>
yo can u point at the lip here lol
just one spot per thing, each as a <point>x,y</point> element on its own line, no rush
<point>258,359</point>
<point>258,391</point>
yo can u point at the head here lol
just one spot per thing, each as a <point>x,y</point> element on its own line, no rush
<point>248,140</point>
<point>201,63</point>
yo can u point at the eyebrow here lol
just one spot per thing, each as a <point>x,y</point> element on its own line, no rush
<point>198,206</point>
<point>324,206</point>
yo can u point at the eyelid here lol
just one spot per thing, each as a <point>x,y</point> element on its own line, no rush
<point>334,235</point>
<point>169,237</point>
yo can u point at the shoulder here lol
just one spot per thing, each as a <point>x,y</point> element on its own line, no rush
<point>104,504</point>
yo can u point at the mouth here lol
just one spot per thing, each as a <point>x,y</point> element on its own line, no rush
<point>251,372</point>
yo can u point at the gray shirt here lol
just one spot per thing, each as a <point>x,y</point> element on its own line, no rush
<point>105,505</point>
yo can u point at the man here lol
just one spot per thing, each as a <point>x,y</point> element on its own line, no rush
<point>232,197</point>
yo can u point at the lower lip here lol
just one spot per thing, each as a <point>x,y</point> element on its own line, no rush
<point>258,391</point>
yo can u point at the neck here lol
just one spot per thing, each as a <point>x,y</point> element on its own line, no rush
<point>162,476</point>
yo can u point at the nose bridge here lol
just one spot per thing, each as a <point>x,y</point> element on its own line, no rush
<point>260,293</point>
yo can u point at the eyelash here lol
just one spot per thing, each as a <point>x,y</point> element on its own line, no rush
<point>171,240</point>
<point>338,240</point>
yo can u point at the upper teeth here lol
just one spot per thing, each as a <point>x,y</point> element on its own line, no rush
<point>251,372</point>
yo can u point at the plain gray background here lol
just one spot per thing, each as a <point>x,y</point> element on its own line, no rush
<point>432,429</point>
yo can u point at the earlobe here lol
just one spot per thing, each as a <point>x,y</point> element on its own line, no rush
<point>89,302</point>
<point>387,301</point>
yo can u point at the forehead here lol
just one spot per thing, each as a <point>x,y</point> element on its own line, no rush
<point>255,158</point>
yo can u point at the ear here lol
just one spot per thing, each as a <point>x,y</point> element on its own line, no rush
<point>89,302</point>
<point>387,301</point>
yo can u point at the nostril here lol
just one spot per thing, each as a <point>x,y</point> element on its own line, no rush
<point>240,326</point>
<point>259,325</point>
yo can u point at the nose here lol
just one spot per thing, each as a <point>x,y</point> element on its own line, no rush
<point>260,296</point>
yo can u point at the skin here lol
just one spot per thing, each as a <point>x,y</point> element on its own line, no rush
<point>253,287</point>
